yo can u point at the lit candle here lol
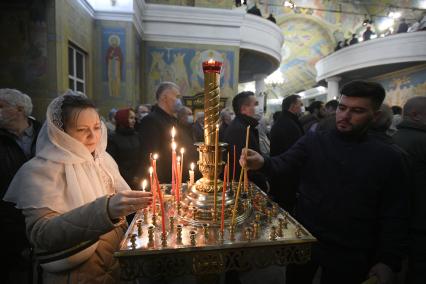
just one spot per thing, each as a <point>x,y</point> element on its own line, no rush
<point>225,177</point>
<point>178,177</point>
<point>191,174</point>
<point>151,169</point>
<point>173,133</point>
<point>144,182</point>
<point>160,196</point>
<point>216,157</point>
<point>174,181</point>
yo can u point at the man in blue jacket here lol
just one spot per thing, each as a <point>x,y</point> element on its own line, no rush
<point>352,194</point>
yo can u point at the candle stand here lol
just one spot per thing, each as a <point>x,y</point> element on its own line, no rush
<point>258,234</point>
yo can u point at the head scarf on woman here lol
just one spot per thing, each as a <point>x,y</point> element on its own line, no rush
<point>64,174</point>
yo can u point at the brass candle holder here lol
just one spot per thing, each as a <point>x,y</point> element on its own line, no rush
<point>139,226</point>
<point>179,234</point>
<point>206,193</point>
<point>192,238</point>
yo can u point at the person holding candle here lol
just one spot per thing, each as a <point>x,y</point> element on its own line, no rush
<point>244,105</point>
<point>155,130</point>
<point>73,197</point>
<point>353,193</point>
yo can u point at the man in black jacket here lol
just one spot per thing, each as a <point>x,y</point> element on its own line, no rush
<point>284,133</point>
<point>244,105</point>
<point>155,131</point>
<point>411,136</point>
<point>353,195</point>
<point>18,134</point>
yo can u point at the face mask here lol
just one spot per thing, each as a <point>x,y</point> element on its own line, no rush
<point>258,110</point>
<point>190,119</point>
<point>178,105</point>
<point>232,117</point>
<point>142,115</point>
<point>302,109</point>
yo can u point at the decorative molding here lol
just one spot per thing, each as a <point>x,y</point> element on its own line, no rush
<point>86,6</point>
<point>399,48</point>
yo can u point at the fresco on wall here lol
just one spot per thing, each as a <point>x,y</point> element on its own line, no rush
<point>404,84</point>
<point>306,42</point>
<point>113,54</point>
<point>184,67</point>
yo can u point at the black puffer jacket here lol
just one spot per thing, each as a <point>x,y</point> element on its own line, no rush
<point>11,219</point>
<point>125,147</point>
<point>235,134</point>
<point>154,131</point>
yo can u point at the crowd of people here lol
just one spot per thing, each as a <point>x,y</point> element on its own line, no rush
<point>351,171</point>
<point>403,27</point>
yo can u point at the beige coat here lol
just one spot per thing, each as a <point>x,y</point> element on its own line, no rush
<point>50,232</point>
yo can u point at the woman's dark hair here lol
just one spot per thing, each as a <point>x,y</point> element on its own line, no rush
<point>71,103</point>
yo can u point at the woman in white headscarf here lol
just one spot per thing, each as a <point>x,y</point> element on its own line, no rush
<point>73,197</point>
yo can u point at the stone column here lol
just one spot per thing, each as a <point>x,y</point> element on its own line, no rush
<point>333,87</point>
<point>260,89</point>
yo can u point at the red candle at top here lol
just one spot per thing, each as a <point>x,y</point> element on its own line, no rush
<point>212,66</point>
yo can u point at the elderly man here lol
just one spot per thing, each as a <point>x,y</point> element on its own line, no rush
<point>155,130</point>
<point>411,136</point>
<point>18,134</point>
<point>352,193</point>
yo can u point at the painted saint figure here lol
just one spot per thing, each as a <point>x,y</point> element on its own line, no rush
<point>114,59</point>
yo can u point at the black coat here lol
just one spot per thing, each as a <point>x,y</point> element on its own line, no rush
<point>11,219</point>
<point>412,138</point>
<point>284,133</point>
<point>352,193</point>
<point>125,147</point>
<point>236,135</point>
<point>154,131</point>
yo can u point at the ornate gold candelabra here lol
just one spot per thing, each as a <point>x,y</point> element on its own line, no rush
<point>205,194</point>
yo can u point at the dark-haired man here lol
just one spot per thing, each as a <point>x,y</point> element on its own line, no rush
<point>244,105</point>
<point>284,133</point>
<point>352,193</point>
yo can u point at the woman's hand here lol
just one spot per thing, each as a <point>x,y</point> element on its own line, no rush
<point>126,202</point>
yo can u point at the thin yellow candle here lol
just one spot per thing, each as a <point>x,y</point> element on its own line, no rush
<point>216,154</point>
<point>237,196</point>
<point>245,169</point>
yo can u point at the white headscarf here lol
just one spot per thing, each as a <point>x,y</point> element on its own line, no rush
<point>64,174</point>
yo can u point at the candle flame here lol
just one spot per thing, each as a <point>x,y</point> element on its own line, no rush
<point>144,182</point>
<point>178,159</point>
<point>155,156</point>
<point>192,166</point>
<point>217,126</point>
<point>211,60</point>
<point>173,132</point>
<point>182,150</point>
<point>151,170</point>
<point>174,146</point>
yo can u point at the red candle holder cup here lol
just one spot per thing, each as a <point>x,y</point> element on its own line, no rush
<point>212,66</point>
